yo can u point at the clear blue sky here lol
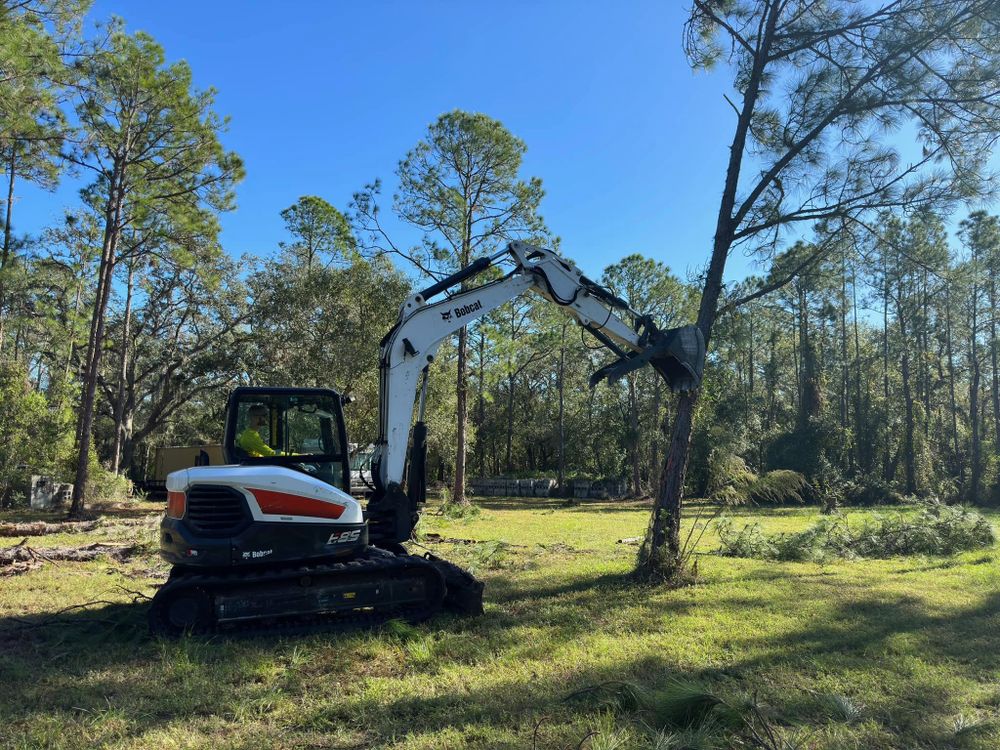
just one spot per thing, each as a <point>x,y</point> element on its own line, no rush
<point>326,96</point>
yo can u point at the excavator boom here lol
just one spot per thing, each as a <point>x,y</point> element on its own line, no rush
<point>409,348</point>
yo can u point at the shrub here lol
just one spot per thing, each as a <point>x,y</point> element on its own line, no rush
<point>36,433</point>
<point>106,487</point>
<point>867,492</point>
<point>937,529</point>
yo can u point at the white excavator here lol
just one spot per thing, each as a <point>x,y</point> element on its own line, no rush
<point>273,541</point>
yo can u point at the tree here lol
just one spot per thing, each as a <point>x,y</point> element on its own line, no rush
<point>319,232</point>
<point>649,287</point>
<point>160,175</point>
<point>981,235</point>
<point>322,328</point>
<point>818,85</point>
<point>33,80</point>
<point>35,432</point>
<point>460,187</point>
<point>182,337</point>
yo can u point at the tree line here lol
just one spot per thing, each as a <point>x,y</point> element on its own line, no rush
<point>864,359</point>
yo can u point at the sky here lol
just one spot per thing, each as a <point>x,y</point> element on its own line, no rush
<point>324,97</point>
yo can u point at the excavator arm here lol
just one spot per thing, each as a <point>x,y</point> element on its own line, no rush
<point>410,347</point>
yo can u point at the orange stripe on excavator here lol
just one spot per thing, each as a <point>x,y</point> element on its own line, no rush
<point>282,503</point>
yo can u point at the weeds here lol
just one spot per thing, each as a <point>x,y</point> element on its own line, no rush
<point>682,715</point>
<point>937,529</point>
<point>456,511</point>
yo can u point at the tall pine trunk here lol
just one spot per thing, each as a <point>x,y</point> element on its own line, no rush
<point>633,427</point>
<point>976,463</point>
<point>995,381</point>
<point>112,230</point>
<point>120,403</point>
<point>562,408</point>
<point>951,377</point>
<point>5,256</point>
<point>458,495</point>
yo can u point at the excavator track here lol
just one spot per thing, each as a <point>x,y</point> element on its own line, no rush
<point>363,592</point>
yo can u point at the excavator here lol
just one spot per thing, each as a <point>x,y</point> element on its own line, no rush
<point>273,541</point>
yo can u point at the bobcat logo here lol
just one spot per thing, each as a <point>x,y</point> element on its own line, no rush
<point>446,316</point>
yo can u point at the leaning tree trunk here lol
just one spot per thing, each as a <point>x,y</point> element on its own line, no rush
<point>660,555</point>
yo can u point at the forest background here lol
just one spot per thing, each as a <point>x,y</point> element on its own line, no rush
<point>868,372</point>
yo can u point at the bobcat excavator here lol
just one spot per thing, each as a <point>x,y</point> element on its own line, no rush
<point>273,541</point>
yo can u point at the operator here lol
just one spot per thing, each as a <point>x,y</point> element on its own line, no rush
<point>250,439</point>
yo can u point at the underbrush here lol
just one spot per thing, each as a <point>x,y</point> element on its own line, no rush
<point>937,529</point>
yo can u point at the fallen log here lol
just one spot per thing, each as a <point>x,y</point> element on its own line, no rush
<point>22,553</point>
<point>37,528</point>
<point>17,568</point>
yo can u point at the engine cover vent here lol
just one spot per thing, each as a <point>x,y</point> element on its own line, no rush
<point>216,511</point>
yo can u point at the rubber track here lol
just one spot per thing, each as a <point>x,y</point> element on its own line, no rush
<point>378,562</point>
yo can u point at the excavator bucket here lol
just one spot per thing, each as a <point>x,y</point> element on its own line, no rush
<point>678,354</point>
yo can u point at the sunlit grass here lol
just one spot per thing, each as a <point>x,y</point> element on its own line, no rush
<point>899,653</point>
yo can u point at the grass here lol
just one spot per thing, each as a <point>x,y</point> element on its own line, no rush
<point>909,645</point>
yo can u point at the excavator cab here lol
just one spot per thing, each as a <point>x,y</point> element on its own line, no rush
<point>300,428</point>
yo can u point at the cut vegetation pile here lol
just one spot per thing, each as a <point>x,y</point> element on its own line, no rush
<point>936,529</point>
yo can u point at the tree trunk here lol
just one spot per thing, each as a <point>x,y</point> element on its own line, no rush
<point>887,466</point>
<point>458,495</point>
<point>112,229</point>
<point>660,554</point>
<point>976,464</point>
<point>481,426</point>
<point>509,450</point>
<point>119,410</point>
<point>562,409</point>
<point>908,434</point>
<point>845,370</point>
<point>633,426</point>
<point>5,257</point>
<point>951,375</point>
<point>864,462</point>
<point>995,383</point>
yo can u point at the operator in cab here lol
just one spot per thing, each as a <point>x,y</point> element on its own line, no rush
<point>250,439</point>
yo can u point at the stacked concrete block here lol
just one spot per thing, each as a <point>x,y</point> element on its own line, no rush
<point>47,494</point>
<point>544,487</point>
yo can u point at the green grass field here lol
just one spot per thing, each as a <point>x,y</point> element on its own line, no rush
<point>912,643</point>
